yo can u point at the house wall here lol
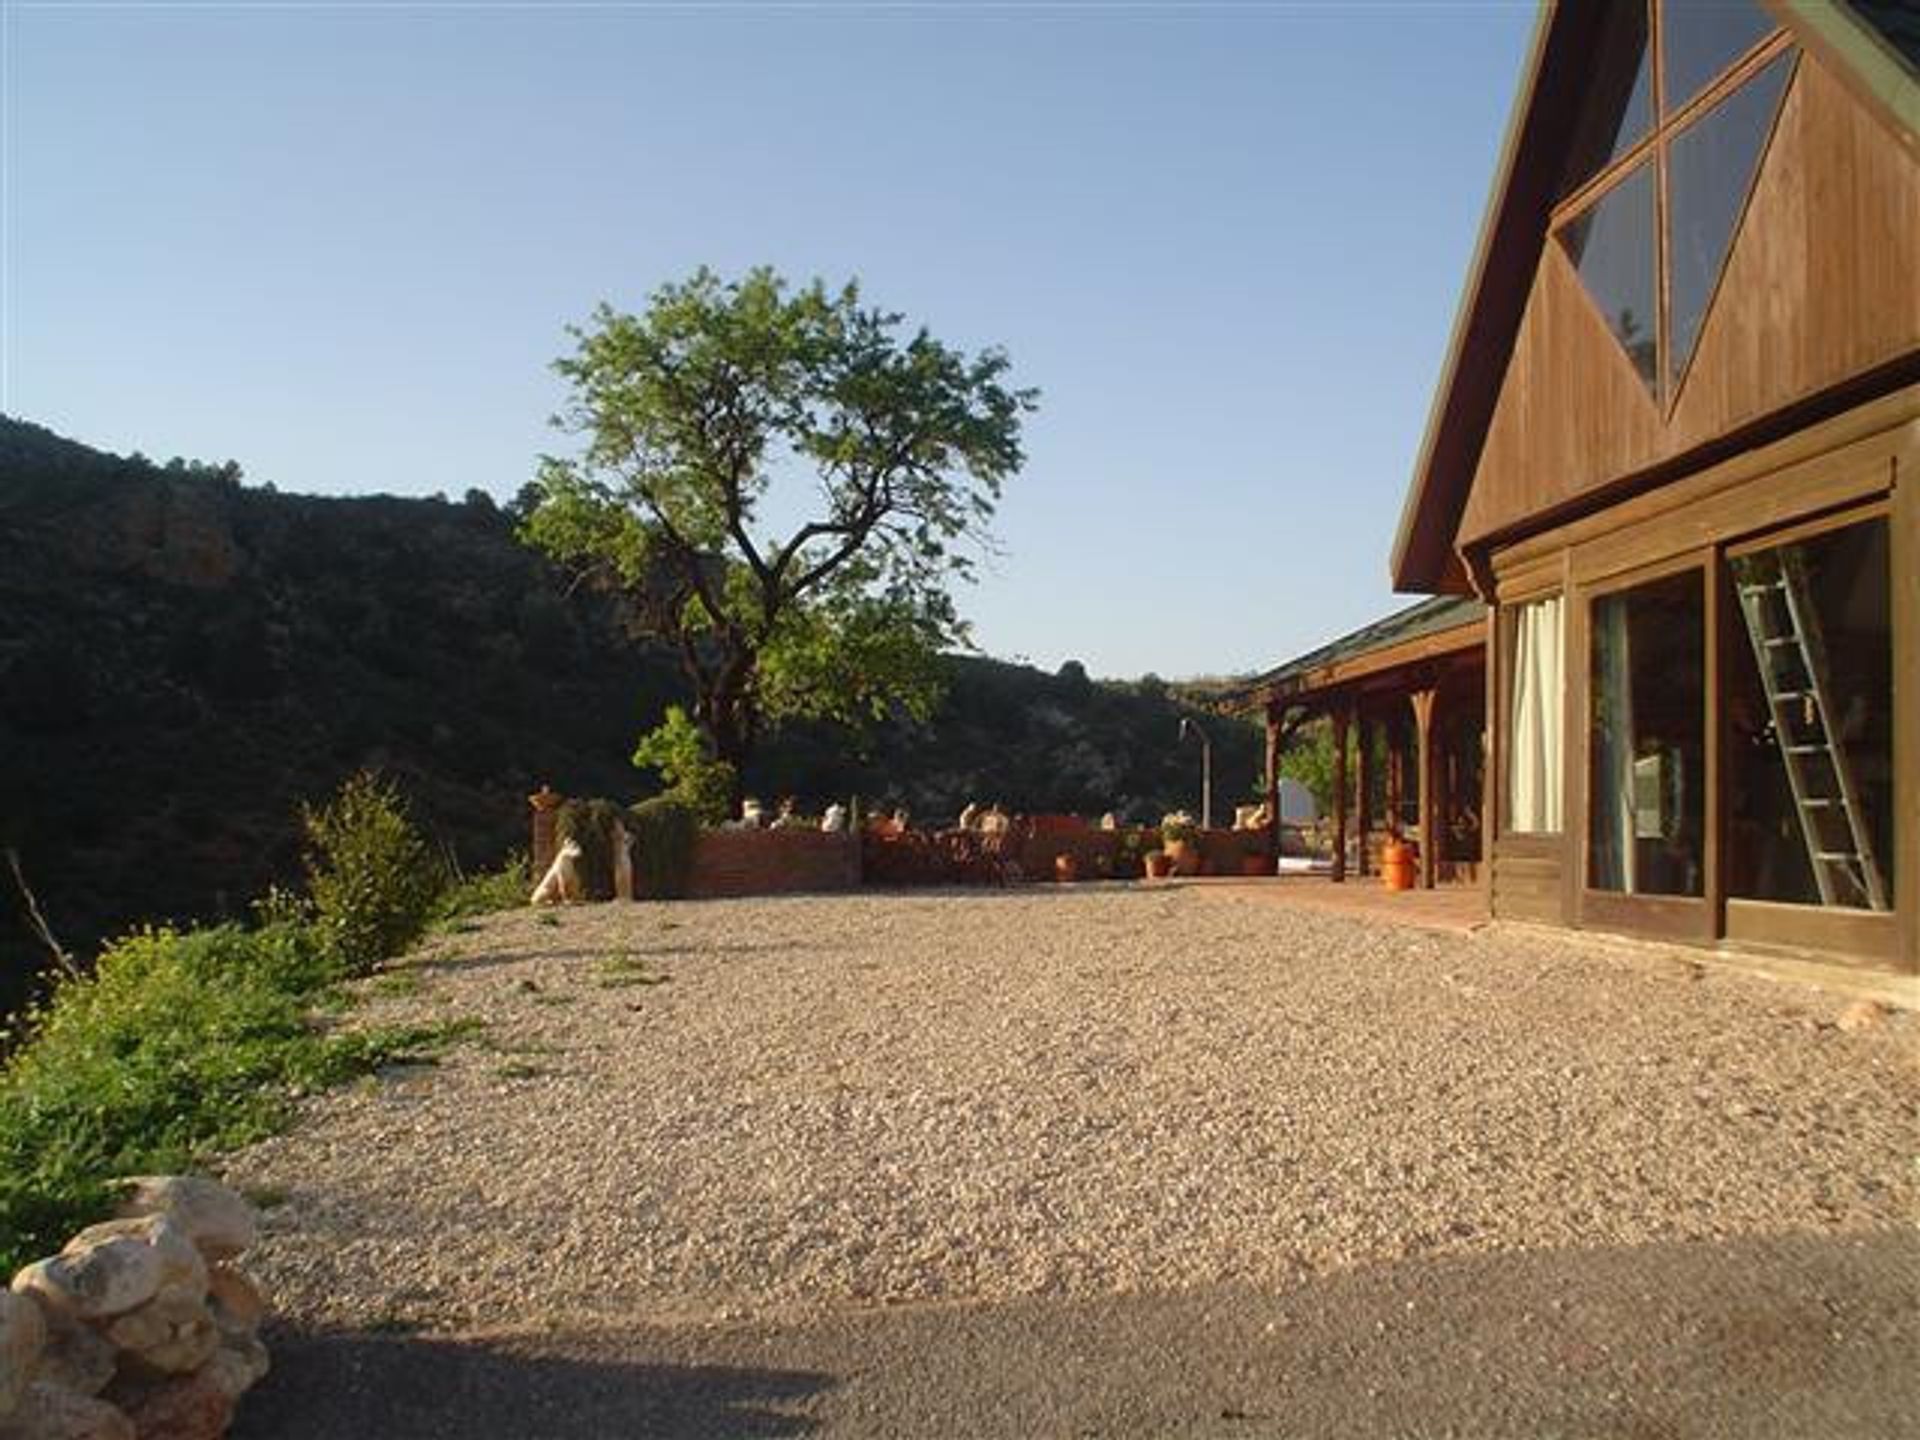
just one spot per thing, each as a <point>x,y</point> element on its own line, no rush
<point>1865,460</point>
<point>1821,288</point>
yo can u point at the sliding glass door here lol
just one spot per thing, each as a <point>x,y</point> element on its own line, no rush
<point>1646,850</point>
<point>1810,737</point>
<point>1739,765</point>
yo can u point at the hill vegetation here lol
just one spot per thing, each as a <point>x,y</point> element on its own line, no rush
<point>184,660</point>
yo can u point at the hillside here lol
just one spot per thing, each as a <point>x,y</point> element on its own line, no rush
<point>183,659</point>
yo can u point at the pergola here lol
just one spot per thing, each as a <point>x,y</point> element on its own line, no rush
<point>1420,674</point>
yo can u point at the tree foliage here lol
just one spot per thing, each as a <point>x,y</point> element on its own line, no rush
<point>701,419</point>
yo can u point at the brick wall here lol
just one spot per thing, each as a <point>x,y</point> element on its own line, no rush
<point>773,862</point>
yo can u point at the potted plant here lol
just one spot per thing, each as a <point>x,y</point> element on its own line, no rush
<point>1180,838</point>
<point>1159,864</point>
<point>1254,860</point>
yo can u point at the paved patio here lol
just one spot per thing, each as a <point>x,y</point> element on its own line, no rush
<point>1454,908</point>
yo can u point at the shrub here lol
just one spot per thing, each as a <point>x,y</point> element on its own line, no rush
<point>664,830</point>
<point>589,824</point>
<point>487,893</point>
<point>676,748</point>
<point>1179,829</point>
<point>176,1046</point>
<point>373,878</point>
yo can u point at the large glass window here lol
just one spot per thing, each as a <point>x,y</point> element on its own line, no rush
<point>1701,38</point>
<point>1618,112</point>
<point>1712,164</point>
<point>1647,747</point>
<point>1698,170</point>
<point>1611,245</point>
<point>1810,722</point>
<point>1536,719</point>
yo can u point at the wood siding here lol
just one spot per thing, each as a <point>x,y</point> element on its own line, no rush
<point>1821,287</point>
<point>1864,462</point>
<point>1528,879</point>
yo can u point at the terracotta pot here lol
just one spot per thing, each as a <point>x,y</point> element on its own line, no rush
<point>1159,864</point>
<point>1066,869</point>
<point>1185,857</point>
<point>1396,864</point>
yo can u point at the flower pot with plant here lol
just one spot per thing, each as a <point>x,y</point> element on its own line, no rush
<point>1159,864</point>
<point>1180,838</point>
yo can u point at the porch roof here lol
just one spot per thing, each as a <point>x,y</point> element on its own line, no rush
<point>1422,632</point>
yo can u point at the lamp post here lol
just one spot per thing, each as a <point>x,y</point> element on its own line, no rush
<point>1187,727</point>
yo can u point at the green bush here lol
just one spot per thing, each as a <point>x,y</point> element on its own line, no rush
<point>589,824</point>
<point>373,878</point>
<point>676,748</point>
<point>175,1047</point>
<point>487,893</point>
<point>664,831</point>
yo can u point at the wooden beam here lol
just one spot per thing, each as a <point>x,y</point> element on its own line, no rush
<point>1273,780</point>
<point>1363,784</point>
<point>1490,737</point>
<point>1396,782</point>
<point>1340,719</point>
<point>1423,716</point>
<point>1904,562</point>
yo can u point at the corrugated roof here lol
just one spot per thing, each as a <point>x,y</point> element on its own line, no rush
<point>1425,617</point>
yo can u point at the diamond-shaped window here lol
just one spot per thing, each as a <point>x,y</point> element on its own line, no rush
<point>1611,245</point>
<point>1618,111</point>
<point>1701,38</point>
<point>1637,165</point>
<point>1711,166</point>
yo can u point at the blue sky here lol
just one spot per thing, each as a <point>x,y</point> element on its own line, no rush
<point>340,244</point>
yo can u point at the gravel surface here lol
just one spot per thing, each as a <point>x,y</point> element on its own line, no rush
<point>776,1112</point>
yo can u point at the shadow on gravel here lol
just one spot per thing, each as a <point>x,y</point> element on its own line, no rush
<point>358,1386</point>
<point>1761,1336</point>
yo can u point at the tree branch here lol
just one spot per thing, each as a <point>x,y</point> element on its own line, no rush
<point>38,922</point>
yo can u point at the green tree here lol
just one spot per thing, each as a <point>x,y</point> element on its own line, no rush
<point>701,420</point>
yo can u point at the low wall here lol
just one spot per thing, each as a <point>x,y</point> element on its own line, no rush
<point>772,862</point>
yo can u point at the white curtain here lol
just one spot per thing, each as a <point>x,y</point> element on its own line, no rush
<point>1534,760</point>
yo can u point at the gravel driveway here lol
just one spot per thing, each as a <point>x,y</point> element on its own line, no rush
<point>772,1118</point>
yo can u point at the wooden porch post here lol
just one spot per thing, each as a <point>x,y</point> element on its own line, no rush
<point>1396,783</point>
<point>1423,710</point>
<point>1273,779</point>
<point>1340,719</point>
<point>1363,784</point>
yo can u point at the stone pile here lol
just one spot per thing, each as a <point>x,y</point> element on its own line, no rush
<point>141,1328</point>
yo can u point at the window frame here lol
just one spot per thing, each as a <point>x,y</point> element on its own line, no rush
<point>1653,148</point>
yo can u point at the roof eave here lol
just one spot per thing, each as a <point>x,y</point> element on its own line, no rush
<point>1421,554</point>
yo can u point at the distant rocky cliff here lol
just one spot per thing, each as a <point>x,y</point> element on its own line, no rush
<point>183,660</point>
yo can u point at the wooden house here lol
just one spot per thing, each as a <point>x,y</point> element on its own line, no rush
<point>1676,451</point>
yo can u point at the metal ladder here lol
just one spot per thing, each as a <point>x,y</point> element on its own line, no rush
<point>1773,588</point>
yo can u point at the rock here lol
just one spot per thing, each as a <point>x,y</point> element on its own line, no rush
<point>180,1262</point>
<point>218,1221</point>
<point>51,1412</point>
<point>237,1365</point>
<point>172,1333</point>
<point>236,1303</point>
<point>23,1338</point>
<point>192,1407</point>
<point>104,1278</point>
<point>77,1358</point>
<point>1862,1015</point>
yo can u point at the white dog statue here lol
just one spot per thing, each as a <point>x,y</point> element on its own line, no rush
<point>561,884</point>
